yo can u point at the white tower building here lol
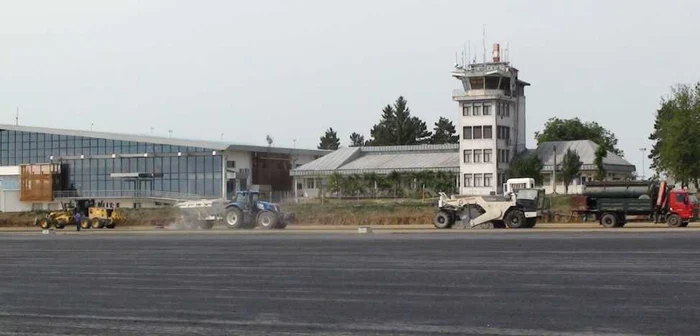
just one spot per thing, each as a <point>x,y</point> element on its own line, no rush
<point>492,123</point>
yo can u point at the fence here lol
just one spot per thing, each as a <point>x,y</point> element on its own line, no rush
<point>119,194</point>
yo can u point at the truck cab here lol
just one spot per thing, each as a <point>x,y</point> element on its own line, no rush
<point>515,184</point>
<point>681,209</point>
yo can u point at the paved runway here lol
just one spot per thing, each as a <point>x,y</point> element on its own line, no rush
<point>580,283</point>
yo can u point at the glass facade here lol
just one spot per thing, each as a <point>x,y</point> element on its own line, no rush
<point>197,171</point>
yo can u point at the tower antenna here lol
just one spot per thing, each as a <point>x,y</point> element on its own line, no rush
<point>469,52</point>
<point>484,41</point>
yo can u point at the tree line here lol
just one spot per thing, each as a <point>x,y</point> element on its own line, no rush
<point>396,127</point>
<point>676,148</point>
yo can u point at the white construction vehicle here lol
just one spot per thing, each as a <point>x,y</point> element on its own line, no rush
<point>516,211</point>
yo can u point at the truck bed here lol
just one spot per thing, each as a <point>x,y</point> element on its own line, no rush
<point>627,205</point>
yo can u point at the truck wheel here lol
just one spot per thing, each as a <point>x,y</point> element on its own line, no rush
<point>516,220</point>
<point>233,218</point>
<point>443,220</point>
<point>110,224</point>
<point>685,224</point>
<point>674,221</point>
<point>84,223</point>
<point>96,223</point>
<point>267,220</point>
<point>608,221</point>
<point>44,223</point>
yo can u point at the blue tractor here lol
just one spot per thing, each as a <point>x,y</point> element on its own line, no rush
<point>247,211</point>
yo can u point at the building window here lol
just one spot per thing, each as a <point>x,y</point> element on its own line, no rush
<point>477,132</point>
<point>477,110</point>
<point>487,110</point>
<point>300,186</point>
<point>503,132</point>
<point>477,156</point>
<point>488,132</point>
<point>309,183</point>
<point>230,164</point>
<point>467,132</point>
<point>507,155</point>
<point>506,108</point>
<point>467,155</point>
<point>487,155</point>
<point>478,180</point>
<point>467,180</point>
<point>487,180</point>
<point>467,110</point>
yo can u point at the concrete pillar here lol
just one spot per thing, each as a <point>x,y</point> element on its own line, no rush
<point>296,192</point>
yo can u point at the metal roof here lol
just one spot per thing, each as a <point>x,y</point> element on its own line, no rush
<point>164,141</point>
<point>384,160</point>
<point>585,150</point>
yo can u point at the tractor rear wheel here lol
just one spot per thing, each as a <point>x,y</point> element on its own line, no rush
<point>60,224</point>
<point>85,223</point>
<point>267,220</point>
<point>96,223</point>
<point>674,221</point>
<point>443,220</point>
<point>515,219</point>
<point>233,218</point>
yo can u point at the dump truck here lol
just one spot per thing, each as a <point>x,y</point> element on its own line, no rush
<point>612,204</point>
<point>517,210</point>
<point>246,211</point>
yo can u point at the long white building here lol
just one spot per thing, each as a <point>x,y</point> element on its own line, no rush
<point>492,123</point>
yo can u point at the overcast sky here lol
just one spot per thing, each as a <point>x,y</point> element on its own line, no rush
<point>291,69</point>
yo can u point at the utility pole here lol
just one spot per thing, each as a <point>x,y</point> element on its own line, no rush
<point>17,117</point>
<point>554,172</point>
<point>644,153</point>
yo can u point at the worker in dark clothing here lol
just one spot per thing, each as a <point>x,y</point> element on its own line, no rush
<point>77,219</point>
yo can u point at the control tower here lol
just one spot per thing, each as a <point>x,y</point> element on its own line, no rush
<point>492,122</point>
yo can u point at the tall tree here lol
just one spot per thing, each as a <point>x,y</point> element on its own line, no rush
<point>526,164</point>
<point>329,140</point>
<point>556,129</point>
<point>357,140</point>
<point>398,127</point>
<point>570,168</point>
<point>676,149</point>
<point>444,132</point>
<point>600,155</point>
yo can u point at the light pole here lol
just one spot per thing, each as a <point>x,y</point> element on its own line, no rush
<point>644,153</point>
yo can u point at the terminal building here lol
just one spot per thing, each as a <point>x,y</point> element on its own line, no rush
<point>41,167</point>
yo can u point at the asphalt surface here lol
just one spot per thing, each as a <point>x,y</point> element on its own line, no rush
<point>580,283</point>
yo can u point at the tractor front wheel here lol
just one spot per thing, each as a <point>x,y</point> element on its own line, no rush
<point>267,220</point>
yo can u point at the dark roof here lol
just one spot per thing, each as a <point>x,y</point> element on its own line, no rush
<point>163,140</point>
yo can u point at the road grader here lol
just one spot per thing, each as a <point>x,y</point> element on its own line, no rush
<point>94,217</point>
<point>517,210</point>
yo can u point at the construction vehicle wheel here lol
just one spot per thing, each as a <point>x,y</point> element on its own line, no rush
<point>96,223</point>
<point>110,224</point>
<point>281,225</point>
<point>233,218</point>
<point>609,221</point>
<point>267,220</point>
<point>443,220</point>
<point>60,224</point>
<point>44,223</point>
<point>685,224</point>
<point>674,221</point>
<point>516,220</point>
<point>498,224</point>
<point>84,223</point>
<point>206,225</point>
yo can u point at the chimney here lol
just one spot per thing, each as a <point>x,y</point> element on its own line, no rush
<point>496,53</point>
